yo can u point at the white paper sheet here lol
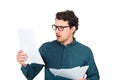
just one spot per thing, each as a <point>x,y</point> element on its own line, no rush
<point>29,46</point>
<point>72,73</point>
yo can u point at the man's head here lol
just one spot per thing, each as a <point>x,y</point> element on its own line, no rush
<point>66,23</point>
<point>69,16</point>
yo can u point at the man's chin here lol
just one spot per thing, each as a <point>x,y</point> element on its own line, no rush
<point>59,40</point>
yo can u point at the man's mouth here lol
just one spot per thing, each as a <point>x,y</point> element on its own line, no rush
<point>58,36</point>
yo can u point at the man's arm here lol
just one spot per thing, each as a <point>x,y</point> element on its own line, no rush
<point>92,72</point>
<point>31,70</point>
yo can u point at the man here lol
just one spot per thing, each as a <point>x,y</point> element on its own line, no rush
<point>64,52</point>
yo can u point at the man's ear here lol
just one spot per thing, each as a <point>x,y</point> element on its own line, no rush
<point>73,29</point>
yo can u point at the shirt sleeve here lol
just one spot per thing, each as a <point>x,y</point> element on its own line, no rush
<point>92,73</point>
<point>31,70</point>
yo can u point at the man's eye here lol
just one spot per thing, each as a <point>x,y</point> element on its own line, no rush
<point>61,27</point>
<point>56,26</point>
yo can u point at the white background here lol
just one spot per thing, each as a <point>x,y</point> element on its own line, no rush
<point>99,29</point>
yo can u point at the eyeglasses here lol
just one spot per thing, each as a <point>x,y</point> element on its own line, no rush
<point>60,28</point>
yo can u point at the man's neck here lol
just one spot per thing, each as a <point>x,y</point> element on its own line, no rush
<point>67,42</point>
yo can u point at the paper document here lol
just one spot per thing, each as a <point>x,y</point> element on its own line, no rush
<point>72,73</point>
<point>29,46</point>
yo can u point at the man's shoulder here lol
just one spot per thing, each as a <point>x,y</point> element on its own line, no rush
<point>81,45</point>
<point>84,48</point>
<point>49,43</point>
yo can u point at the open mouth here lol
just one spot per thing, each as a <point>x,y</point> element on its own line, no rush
<point>58,36</point>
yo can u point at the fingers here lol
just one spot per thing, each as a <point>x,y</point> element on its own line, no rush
<point>21,57</point>
<point>82,79</point>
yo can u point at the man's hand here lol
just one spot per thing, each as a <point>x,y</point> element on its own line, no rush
<point>21,57</point>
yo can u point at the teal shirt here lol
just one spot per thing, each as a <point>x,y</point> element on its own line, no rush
<point>56,55</point>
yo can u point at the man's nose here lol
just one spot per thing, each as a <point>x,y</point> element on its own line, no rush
<point>56,30</point>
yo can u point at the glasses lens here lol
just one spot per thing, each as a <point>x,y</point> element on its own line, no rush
<point>53,27</point>
<point>60,28</point>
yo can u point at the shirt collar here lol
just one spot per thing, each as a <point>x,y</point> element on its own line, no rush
<point>72,43</point>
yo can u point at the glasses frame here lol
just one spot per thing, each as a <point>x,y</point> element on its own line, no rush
<point>60,28</point>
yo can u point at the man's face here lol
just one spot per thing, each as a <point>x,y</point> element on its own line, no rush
<point>64,35</point>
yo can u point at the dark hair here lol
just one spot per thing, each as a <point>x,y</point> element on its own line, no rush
<point>69,16</point>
